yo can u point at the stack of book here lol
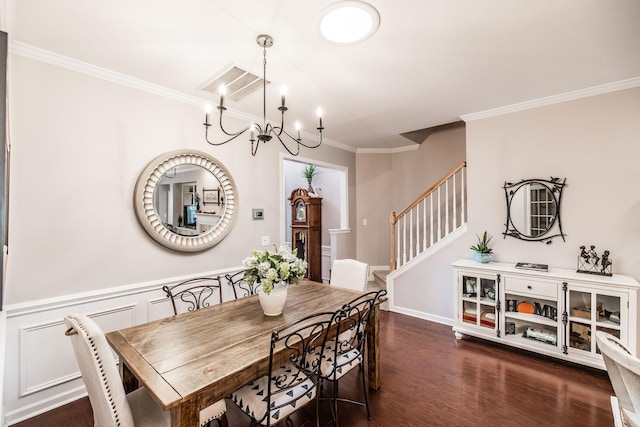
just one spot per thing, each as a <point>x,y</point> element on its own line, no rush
<point>532,266</point>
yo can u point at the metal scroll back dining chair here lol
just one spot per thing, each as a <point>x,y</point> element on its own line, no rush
<point>623,369</point>
<point>292,380</point>
<point>194,294</point>
<point>112,407</point>
<point>349,274</point>
<point>240,286</point>
<point>347,350</point>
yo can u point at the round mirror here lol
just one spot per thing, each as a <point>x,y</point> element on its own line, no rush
<point>186,200</point>
<point>533,209</point>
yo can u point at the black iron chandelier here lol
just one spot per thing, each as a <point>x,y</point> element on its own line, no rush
<point>265,132</point>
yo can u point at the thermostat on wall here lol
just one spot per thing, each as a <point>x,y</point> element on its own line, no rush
<point>258,213</point>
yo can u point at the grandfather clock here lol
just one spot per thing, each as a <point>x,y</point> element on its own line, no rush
<point>306,227</point>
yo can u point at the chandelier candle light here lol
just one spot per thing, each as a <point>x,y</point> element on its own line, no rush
<point>266,131</point>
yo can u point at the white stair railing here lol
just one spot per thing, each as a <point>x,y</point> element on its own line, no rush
<point>413,231</point>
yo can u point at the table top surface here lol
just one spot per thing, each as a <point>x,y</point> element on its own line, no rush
<point>216,349</point>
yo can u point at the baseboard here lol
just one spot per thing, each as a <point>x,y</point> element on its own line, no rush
<point>421,315</point>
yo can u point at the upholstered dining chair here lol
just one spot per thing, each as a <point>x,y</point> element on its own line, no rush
<point>194,294</point>
<point>239,286</point>
<point>350,274</point>
<point>624,373</point>
<point>346,350</point>
<point>112,407</point>
<point>292,380</point>
<point>190,295</point>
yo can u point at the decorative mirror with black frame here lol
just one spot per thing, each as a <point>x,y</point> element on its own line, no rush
<point>533,209</point>
<point>173,200</point>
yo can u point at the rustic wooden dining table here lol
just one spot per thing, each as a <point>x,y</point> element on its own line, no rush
<point>189,361</point>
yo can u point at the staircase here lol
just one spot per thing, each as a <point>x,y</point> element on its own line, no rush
<point>429,218</point>
<point>379,282</point>
<point>427,223</point>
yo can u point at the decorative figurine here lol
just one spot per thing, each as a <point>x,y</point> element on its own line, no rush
<point>606,262</point>
<point>588,261</point>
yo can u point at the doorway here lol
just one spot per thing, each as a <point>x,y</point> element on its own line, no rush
<point>330,183</point>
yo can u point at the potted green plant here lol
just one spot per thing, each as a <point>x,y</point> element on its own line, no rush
<point>309,172</point>
<point>483,253</point>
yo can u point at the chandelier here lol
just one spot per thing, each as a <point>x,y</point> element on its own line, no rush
<point>265,132</point>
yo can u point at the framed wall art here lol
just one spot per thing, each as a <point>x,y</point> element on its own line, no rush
<point>211,197</point>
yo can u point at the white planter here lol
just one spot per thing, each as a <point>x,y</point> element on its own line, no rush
<point>273,303</point>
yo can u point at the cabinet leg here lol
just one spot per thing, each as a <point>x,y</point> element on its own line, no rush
<point>459,335</point>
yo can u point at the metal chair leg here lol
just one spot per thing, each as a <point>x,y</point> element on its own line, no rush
<point>364,390</point>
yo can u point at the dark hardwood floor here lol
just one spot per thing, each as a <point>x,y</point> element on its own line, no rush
<point>431,379</point>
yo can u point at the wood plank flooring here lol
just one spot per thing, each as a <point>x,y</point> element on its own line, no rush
<point>431,379</point>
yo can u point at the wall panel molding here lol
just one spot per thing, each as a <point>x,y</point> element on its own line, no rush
<point>41,372</point>
<point>34,376</point>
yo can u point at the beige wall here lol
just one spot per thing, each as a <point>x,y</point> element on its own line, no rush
<point>78,146</point>
<point>416,171</point>
<point>593,143</point>
<point>389,182</point>
<point>374,183</point>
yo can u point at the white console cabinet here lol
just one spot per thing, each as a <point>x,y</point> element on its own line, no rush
<point>555,313</point>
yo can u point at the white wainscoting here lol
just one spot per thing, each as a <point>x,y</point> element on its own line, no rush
<point>326,263</point>
<point>40,370</point>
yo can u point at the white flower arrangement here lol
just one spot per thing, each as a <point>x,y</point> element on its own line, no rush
<point>271,268</point>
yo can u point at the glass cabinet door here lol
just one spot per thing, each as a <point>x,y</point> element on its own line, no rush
<point>478,300</point>
<point>590,311</point>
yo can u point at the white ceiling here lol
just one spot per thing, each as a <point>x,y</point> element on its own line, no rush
<point>429,63</point>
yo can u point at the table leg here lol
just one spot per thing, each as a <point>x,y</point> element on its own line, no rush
<point>176,415</point>
<point>187,414</point>
<point>373,348</point>
<point>129,381</point>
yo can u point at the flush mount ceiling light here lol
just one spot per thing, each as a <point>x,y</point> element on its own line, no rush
<point>349,22</point>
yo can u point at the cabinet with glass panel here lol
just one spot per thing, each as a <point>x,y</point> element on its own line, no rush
<point>477,301</point>
<point>595,309</point>
<point>554,312</point>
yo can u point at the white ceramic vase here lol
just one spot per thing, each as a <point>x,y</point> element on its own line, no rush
<point>273,303</point>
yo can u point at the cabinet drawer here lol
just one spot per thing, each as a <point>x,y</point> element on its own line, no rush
<point>531,287</point>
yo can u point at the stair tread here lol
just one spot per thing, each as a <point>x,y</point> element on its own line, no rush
<point>381,272</point>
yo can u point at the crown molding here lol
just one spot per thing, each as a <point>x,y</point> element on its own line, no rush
<point>554,99</point>
<point>72,64</point>
<point>388,150</point>
<point>88,69</point>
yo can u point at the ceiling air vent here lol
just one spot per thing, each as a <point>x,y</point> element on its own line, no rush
<point>239,83</point>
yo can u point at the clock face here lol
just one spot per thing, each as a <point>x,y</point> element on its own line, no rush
<point>301,212</point>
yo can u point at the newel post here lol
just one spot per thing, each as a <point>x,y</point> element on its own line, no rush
<point>392,261</point>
